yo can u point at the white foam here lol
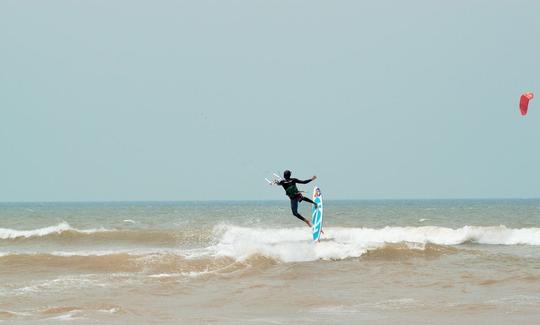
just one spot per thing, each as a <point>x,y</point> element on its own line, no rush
<point>91,253</point>
<point>392,304</point>
<point>71,253</point>
<point>495,235</point>
<point>190,274</point>
<point>164,275</point>
<point>112,310</point>
<point>6,233</point>
<point>288,245</point>
<point>60,284</point>
<point>73,315</point>
<point>17,313</point>
<point>293,244</point>
<point>148,253</point>
<point>516,300</point>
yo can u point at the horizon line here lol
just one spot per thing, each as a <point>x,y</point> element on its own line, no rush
<point>274,200</point>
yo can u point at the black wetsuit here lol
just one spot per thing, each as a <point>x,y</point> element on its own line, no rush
<point>289,185</point>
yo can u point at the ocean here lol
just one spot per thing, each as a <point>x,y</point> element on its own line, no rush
<point>379,262</point>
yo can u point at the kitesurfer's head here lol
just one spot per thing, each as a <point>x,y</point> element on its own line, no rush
<point>287,174</point>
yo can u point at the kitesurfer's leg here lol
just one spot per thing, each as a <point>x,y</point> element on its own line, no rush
<point>310,201</point>
<point>294,209</point>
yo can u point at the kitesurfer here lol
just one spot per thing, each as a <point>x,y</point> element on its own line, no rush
<point>289,185</point>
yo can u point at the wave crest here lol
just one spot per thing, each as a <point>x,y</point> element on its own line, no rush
<point>293,245</point>
<point>6,233</point>
<point>65,234</point>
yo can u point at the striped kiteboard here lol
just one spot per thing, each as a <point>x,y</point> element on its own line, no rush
<point>317,214</point>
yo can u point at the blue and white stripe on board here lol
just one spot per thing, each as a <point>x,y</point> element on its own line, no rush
<point>317,214</point>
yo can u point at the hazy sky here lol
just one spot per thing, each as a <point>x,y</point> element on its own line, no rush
<point>182,100</point>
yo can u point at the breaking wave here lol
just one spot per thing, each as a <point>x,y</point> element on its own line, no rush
<point>291,245</point>
<point>64,233</point>
<point>183,247</point>
<point>6,233</point>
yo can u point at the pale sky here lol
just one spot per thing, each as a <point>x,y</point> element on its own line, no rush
<point>200,100</point>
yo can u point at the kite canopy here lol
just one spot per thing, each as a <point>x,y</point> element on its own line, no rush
<point>524,102</point>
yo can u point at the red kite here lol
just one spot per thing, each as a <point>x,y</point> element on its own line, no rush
<point>524,102</point>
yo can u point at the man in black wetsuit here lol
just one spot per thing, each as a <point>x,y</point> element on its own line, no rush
<point>289,184</point>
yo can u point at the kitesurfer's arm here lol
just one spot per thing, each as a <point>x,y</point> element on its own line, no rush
<point>307,180</point>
